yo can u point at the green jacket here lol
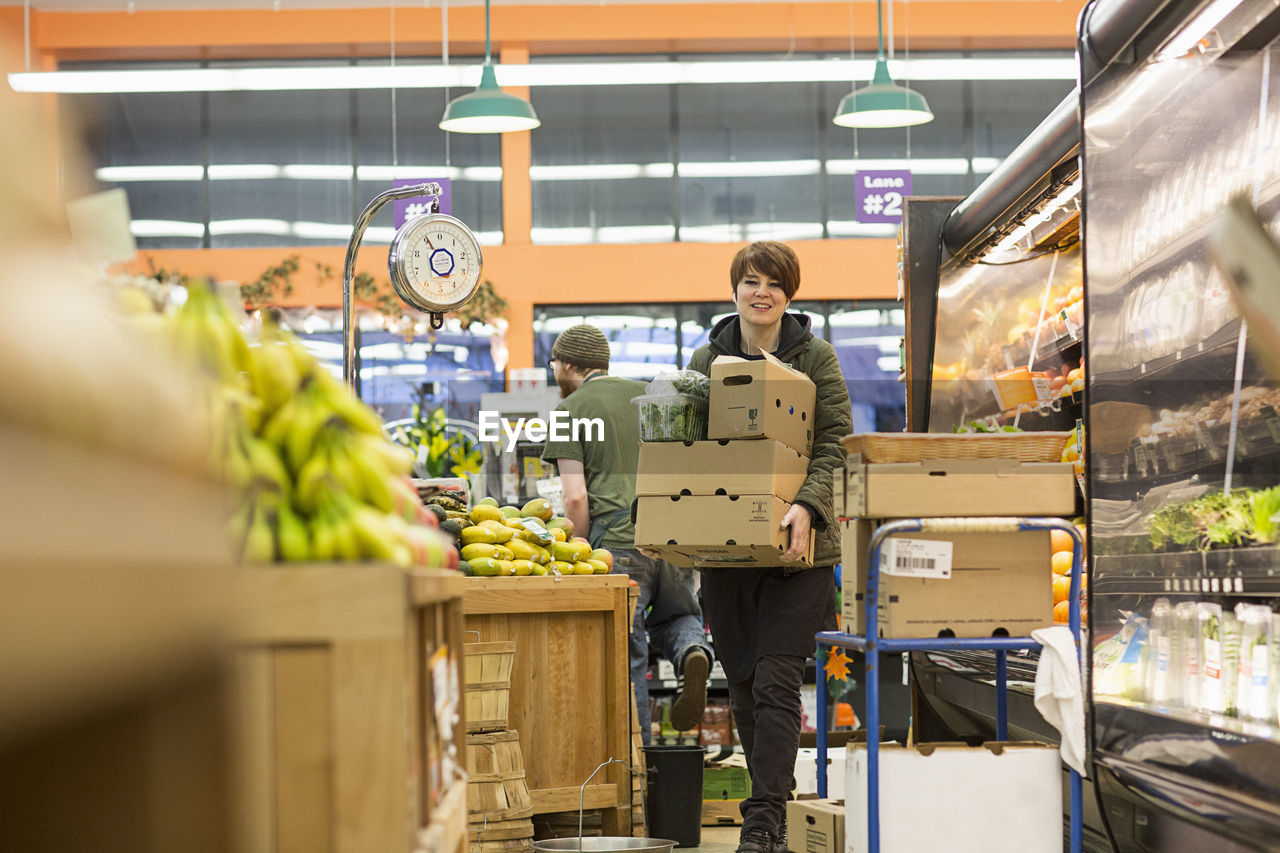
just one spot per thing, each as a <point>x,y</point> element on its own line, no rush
<point>832,421</point>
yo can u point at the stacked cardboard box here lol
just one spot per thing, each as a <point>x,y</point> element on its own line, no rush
<point>721,502</point>
<point>724,786</point>
<point>932,583</point>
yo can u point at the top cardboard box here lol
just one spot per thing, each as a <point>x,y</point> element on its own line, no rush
<point>761,398</point>
<point>957,487</point>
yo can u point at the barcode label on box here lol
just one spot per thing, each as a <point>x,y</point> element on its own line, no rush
<point>916,558</point>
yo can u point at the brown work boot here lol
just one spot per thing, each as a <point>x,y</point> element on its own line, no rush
<point>691,700</point>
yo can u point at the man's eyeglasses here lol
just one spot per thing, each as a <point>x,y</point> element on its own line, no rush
<point>551,364</point>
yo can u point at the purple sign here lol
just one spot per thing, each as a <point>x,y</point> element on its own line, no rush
<point>878,195</point>
<point>409,208</point>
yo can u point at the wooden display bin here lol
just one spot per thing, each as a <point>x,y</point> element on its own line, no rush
<point>336,709</point>
<point>570,686</point>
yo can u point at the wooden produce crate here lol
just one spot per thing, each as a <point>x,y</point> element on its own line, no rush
<point>437,727</point>
<point>570,684</point>
<point>338,681</point>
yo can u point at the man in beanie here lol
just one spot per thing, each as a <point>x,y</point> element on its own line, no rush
<point>599,479</point>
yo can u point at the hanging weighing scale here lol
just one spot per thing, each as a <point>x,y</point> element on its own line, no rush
<point>434,261</point>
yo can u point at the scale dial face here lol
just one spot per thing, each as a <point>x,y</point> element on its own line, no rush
<point>435,263</point>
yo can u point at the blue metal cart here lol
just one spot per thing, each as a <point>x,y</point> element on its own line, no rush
<point>873,646</point>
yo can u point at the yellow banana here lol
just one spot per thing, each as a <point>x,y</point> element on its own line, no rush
<point>377,491</point>
<point>301,438</point>
<point>373,534</point>
<point>315,480</point>
<point>267,469</point>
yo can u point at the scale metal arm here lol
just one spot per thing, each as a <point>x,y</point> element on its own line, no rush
<point>348,269</point>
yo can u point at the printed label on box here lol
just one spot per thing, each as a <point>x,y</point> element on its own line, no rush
<point>917,558</point>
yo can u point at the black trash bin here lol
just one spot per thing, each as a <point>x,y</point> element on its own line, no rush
<point>675,793</point>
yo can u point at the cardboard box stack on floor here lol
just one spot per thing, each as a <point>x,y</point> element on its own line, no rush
<point>720,502</point>
<point>969,584</point>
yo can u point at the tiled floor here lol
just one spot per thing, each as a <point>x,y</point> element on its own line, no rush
<point>717,839</point>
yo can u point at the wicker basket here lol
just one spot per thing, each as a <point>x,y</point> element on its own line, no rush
<point>919,446</point>
<point>488,684</point>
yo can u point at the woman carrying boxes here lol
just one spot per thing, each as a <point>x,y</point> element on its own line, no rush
<point>763,619</point>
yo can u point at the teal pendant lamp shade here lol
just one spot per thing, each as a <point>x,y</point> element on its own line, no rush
<point>883,103</point>
<point>488,109</point>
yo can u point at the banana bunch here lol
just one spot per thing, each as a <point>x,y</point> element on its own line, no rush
<point>313,475</point>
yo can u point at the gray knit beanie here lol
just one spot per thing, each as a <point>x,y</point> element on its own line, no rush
<point>583,346</point>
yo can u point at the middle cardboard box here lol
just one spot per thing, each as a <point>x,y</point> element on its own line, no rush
<point>718,503</point>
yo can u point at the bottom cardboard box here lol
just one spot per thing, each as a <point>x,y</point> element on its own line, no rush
<point>815,826</point>
<point>716,531</point>
<point>721,813</point>
<point>997,582</point>
<point>965,791</point>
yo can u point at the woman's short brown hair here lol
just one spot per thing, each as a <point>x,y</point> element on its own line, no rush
<point>767,257</point>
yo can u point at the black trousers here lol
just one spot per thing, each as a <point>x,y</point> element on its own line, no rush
<point>766,708</point>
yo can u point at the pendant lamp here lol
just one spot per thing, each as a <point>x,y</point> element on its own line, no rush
<point>488,109</point>
<point>883,103</point>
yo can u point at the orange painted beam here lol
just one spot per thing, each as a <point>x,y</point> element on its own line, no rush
<point>639,28</point>
<point>549,275</point>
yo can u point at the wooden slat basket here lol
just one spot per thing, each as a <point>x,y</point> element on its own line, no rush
<point>488,685</point>
<point>497,789</point>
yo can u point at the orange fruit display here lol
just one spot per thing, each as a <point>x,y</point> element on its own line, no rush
<point>1061,589</point>
<point>1060,540</point>
<point>1062,612</point>
<point>1061,562</point>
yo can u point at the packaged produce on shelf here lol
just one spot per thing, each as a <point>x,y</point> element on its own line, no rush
<point>499,541</point>
<point>1215,520</point>
<point>312,475</point>
<point>674,407</point>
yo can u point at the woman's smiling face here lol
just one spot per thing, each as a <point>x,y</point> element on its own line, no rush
<point>760,299</point>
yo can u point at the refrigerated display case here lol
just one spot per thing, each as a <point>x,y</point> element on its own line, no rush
<point>1184,439</point>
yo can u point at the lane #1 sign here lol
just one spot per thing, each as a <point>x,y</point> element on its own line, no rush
<point>411,208</point>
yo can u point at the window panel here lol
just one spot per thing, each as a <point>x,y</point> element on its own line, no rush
<point>619,126</point>
<point>123,132</point>
<point>277,129</point>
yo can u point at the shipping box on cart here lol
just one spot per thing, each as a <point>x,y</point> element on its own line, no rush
<point>995,798</point>
<point>716,531</point>
<point>970,584</point>
<point>722,467</point>
<point>957,487</point>
<point>761,398</point>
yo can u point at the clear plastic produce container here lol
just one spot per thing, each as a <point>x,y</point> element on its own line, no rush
<point>672,417</point>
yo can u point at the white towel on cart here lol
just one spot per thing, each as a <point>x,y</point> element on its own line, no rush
<point>1060,693</point>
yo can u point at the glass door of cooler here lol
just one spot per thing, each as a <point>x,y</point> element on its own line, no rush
<point>1183,445</point>
<point>1007,346</point>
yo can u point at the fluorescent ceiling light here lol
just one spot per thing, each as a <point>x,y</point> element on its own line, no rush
<point>223,227</point>
<point>750,169</point>
<point>316,172</point>
<point>330,77</point>
<point>245,172</point>
<point>123,174</point>
<point>165,228</point>
<point>846,228</point>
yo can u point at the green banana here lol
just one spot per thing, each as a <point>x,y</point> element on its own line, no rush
<point>238,526</point>
<point>323,544</point>
<point>314,480</point>
<point>292,534</point>
<point>259,543</point>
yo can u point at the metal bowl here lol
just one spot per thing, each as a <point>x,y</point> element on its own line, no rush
<point>604,844</point>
